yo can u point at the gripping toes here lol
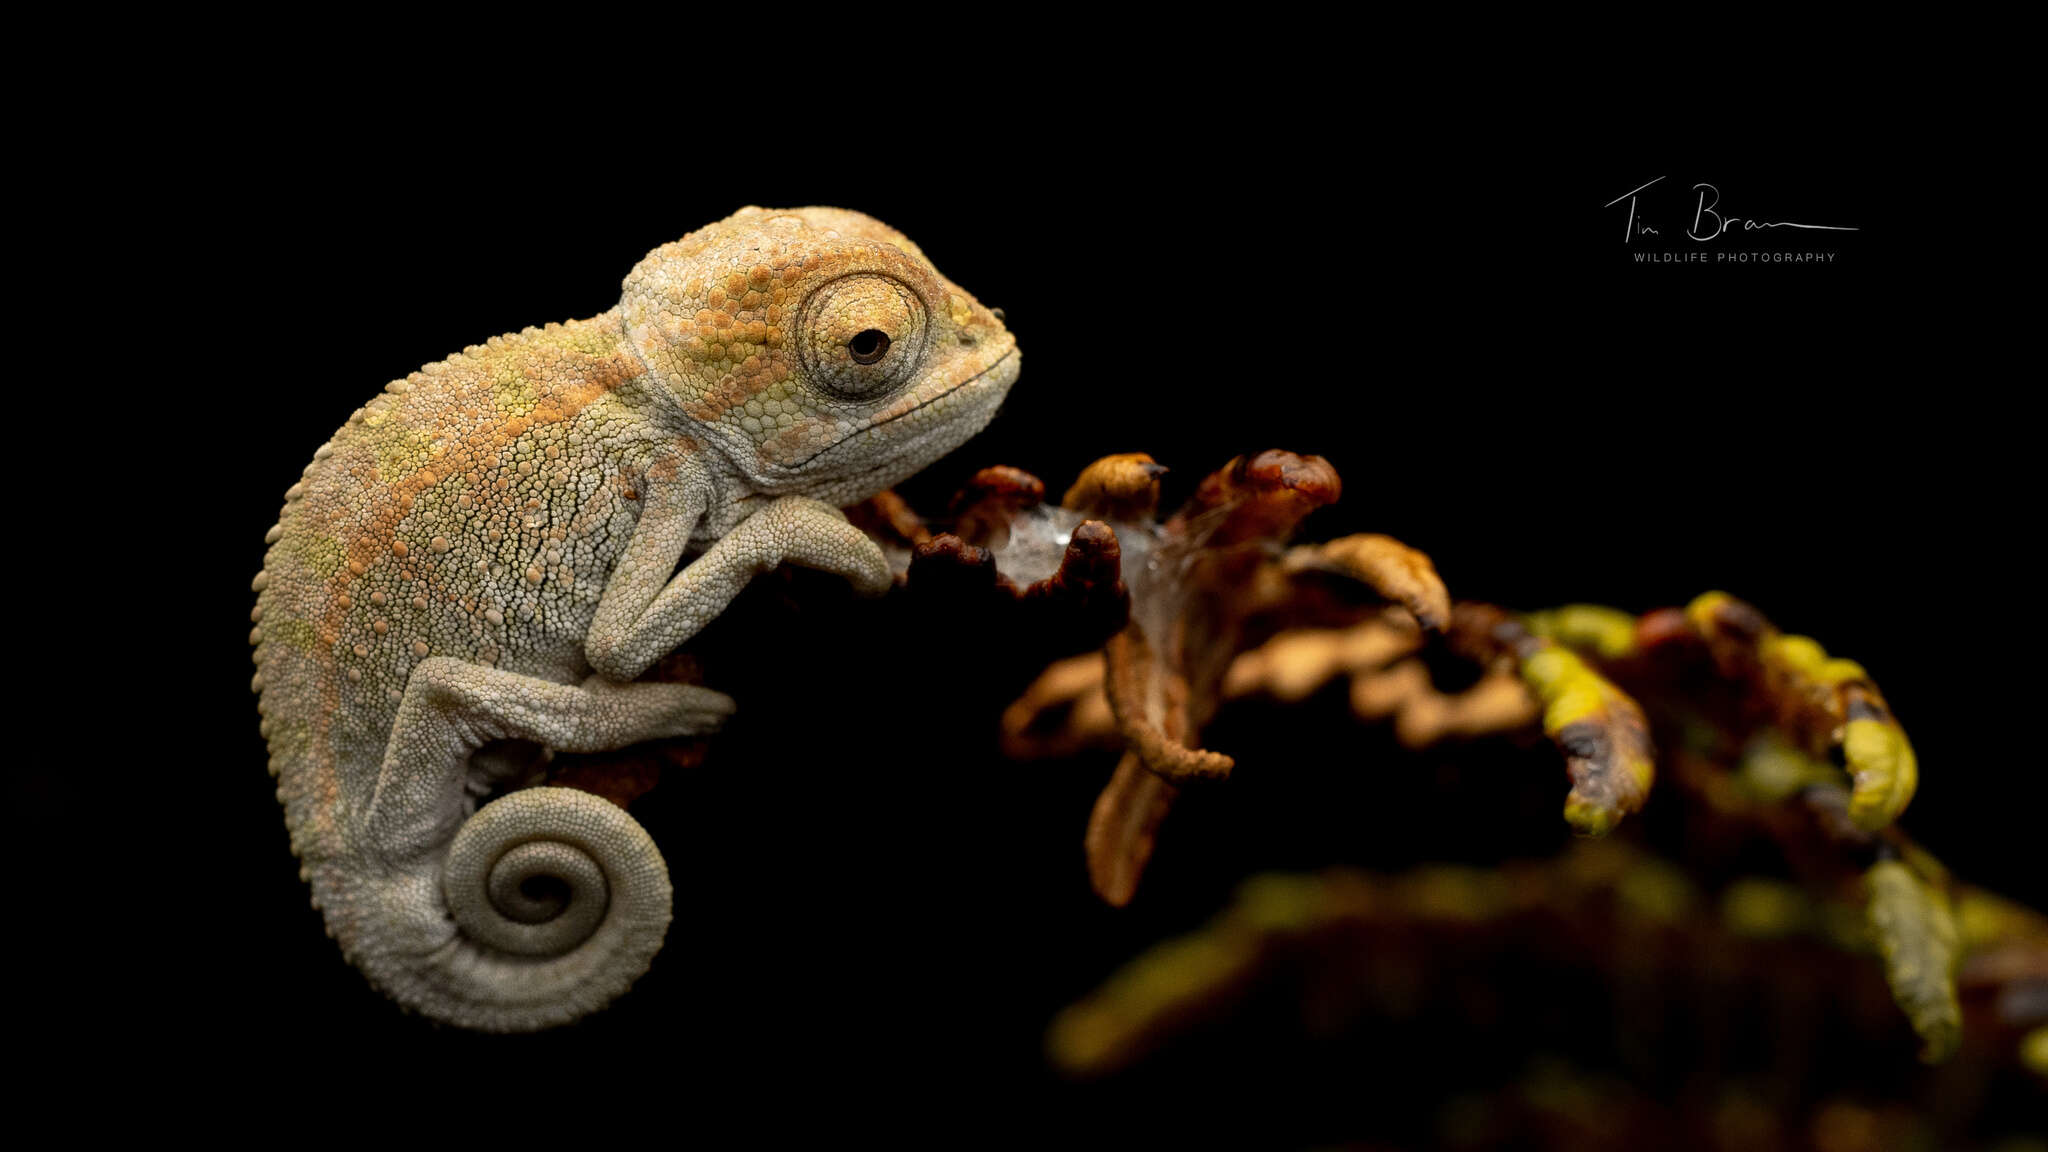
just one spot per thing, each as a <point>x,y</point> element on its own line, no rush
<point>800,530</point>
<point>658,711</point>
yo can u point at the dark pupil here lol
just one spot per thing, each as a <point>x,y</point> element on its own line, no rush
<point>868,345</point>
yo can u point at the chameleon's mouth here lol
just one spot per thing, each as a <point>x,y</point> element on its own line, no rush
<point>925,403</point>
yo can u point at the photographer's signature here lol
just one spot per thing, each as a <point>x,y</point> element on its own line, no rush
<point>1707,222</point>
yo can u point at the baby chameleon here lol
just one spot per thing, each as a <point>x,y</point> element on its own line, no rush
<point>487,553</point>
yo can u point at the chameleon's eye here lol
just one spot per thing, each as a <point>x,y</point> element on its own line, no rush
<point>861,336</point>
<point>868,345</point>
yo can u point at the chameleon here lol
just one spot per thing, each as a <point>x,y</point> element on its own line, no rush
<point>475,568</point>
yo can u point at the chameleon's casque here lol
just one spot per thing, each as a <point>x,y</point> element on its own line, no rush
<point>487,554</point>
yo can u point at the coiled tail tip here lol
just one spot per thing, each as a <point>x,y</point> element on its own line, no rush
<point>548,905</point>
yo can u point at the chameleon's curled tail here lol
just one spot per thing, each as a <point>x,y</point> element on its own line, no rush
<point>549,904</point>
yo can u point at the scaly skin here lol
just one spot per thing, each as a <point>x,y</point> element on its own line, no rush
<point>488,552</point>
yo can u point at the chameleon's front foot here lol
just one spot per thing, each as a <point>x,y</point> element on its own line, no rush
<point>813,534</point>
<point>645,614</point>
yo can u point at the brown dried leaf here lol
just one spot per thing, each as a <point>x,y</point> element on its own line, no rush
<point>1916,934</point>
<point>1123,488</point>
<point>1392,569</point>
<point>1123,828</point>
<point>1149,700</point>
<point>982,510</point>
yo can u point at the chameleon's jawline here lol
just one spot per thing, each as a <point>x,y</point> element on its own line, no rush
<point>926,403</point>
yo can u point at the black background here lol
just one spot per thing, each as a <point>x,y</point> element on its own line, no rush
<point>1411,277</point>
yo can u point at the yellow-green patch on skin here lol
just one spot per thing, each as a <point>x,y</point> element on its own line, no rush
<point>513,393</point>
<point>323,556</point>
<point>1916,934</point>
<point>403,451</point>
<point>295,634</point>
<point>1881,762</point>
<point>1608,633</point>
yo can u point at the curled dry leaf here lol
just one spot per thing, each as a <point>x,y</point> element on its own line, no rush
<point>1123,828</point>
<point>1602,732</point>
<point>1060,713</point>
<point>1164,673</point>
<point>1295,664</point>
<point>1916,935</point>
<point>1123,488</point>
<point>1595,629</point>
<point>1151,712</point>
<point>983,510</point>
<point>1262,497</point>
<point>1387,566</point>
<point>1424,716</point>
<point>1218,610</point>
<point>1827,704</point>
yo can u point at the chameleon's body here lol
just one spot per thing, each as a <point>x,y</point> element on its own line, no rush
<point>488,553</point>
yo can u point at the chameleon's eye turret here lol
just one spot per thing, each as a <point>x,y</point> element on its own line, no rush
<point>861,337</point>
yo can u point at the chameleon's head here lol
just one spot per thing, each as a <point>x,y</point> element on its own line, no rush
<point>817,348</point>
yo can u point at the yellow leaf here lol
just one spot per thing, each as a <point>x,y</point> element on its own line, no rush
<point>1916,934</point>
